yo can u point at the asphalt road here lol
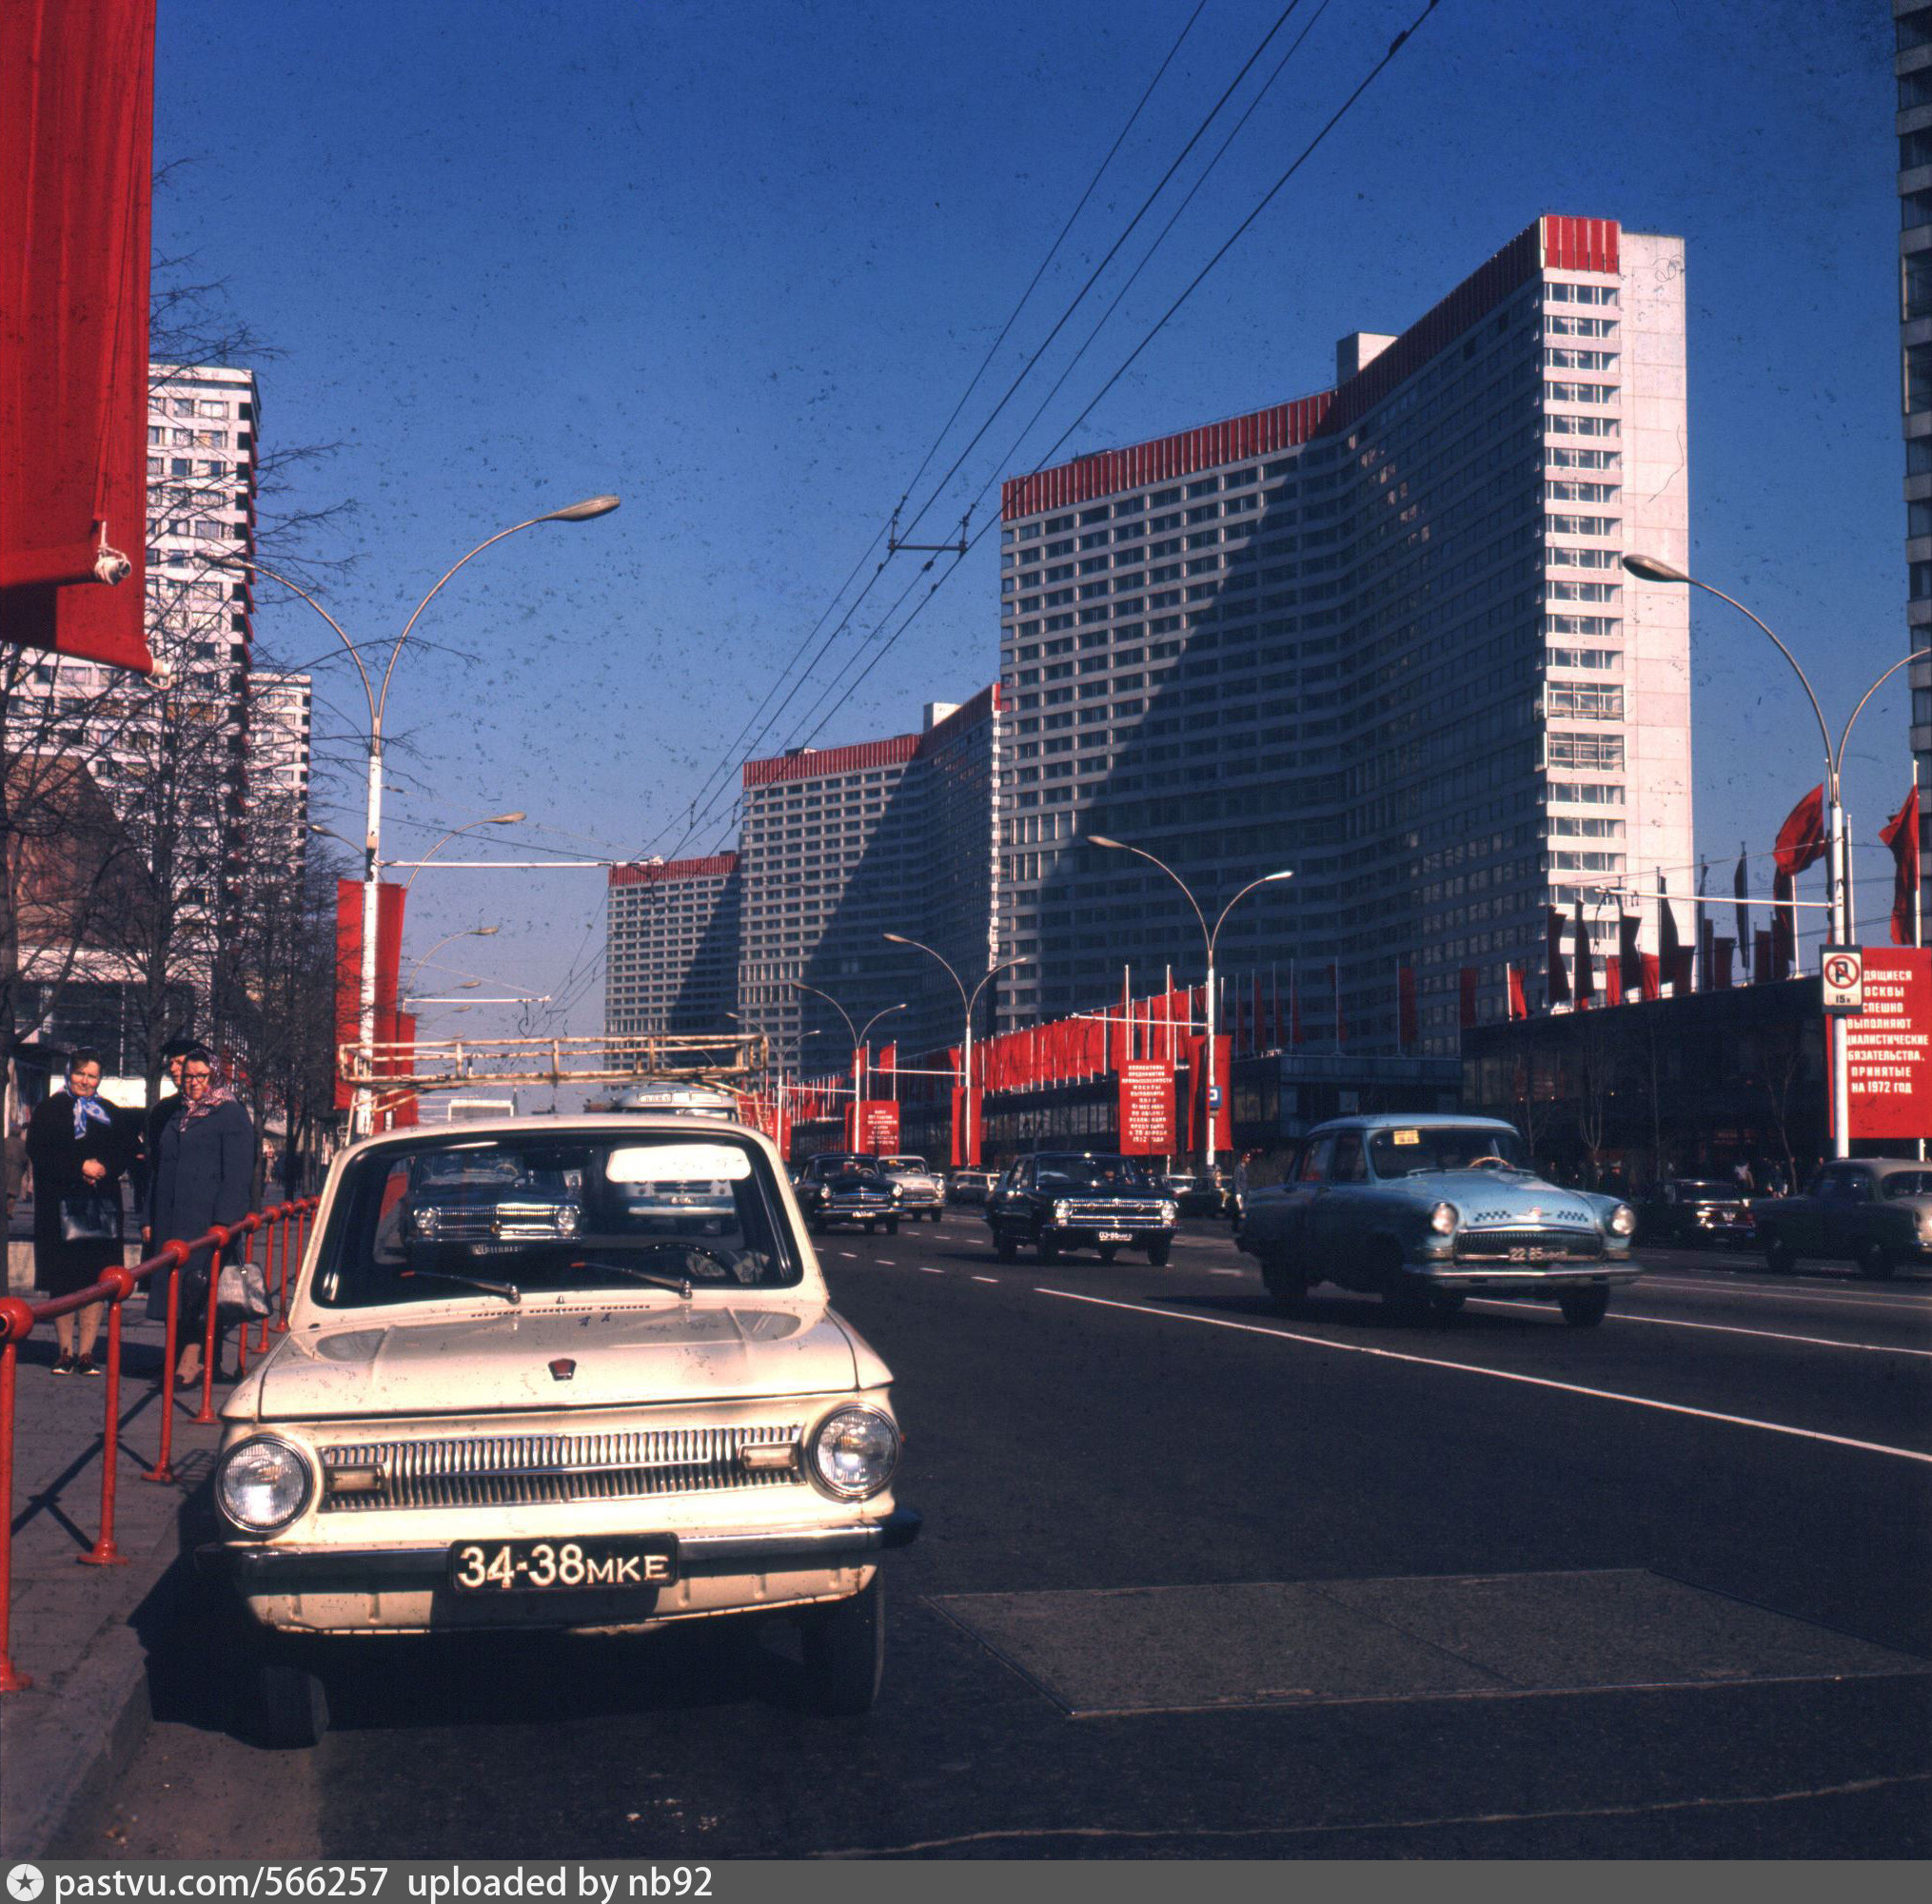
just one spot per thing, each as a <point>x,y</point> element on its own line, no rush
<point>1200,1580</point>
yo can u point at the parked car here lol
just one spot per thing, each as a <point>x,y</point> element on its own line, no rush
<point>487,1203</point>
<point>1422,1210</point>
<point>622,1429</point>
<point>1688,1210</point>
<point>970,1187</point>
<point>1211,1194</point>
<point>1873,1211</point>
<point>843,1187</point>
<point>921,1193</point>
<point>1061,1200</point>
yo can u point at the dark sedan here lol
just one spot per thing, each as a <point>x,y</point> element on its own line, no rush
<point>1873,1211</point>
<point>842,1187</point>
<point>1080,1200</point>
<point>1688,1210</point>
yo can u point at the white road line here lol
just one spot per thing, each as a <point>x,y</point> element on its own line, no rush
<point>927,1270</point>
<point>1729,1329</point>
<point>888,1260</point>
<point>850,1255</point>
<point>986,1279</point>
<point>1901,1305</point>
<point>1496,1374</point>
<point>1227,1273</point>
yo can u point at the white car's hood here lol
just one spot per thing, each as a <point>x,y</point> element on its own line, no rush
<point>503,1361</point>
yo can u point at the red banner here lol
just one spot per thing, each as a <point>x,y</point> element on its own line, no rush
<point>966,1129</point>
<point>1147,1109</point>
<point>77,150</point>
<point>878,1125</point>
<point>1197,1092</point>
<point>348,968</point>
<point>1887,1044</point>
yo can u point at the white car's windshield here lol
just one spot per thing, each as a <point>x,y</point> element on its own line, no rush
<point>522,1217</point>
<point>1401,1150</point>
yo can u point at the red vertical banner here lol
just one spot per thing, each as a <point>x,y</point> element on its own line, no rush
<point>348,969</point>
<point>1888,1047</point>
<point>1195,1051</point>
<point>879,1125</point>
<point>77,154</point>
<point>1147,1109</point>
<point>1519,1002</point>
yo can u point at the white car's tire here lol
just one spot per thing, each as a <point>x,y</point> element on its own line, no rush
<point>844,1652</point>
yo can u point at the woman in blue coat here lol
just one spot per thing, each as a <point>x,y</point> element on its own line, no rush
<point>203,1175</point>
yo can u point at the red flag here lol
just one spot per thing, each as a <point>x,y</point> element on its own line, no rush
<point>1519,1004</point>
<point>1651,975</point>
<point>1466,1004</point>
<point>1629,961</point>
<point>1721,951</point>
<point>1801,839</point>
<point>1559,972</point>
<point>1903,838</point>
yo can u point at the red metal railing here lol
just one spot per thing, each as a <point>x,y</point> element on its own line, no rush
<point>280,1222</point>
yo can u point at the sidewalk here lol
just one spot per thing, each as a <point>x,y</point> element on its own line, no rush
<point>84,1634</point>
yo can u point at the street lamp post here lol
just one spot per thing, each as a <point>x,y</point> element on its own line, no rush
<point>1210,937</point>
<point>857,1041</point>
<point>467,933</point>
<point>967,1003</point>
<point>457,833</point>
<point>361,1116</point>
<point>1838,1045</point>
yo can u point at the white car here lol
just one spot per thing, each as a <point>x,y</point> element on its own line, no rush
<point>637,1412</point>
<point>922,1193</point>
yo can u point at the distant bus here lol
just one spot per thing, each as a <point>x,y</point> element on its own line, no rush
<point>677,1100</point>
<point>469,1109</point>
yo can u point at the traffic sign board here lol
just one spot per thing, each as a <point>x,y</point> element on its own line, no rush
<point>1843,972</point>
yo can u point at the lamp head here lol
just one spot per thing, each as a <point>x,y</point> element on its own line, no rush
<point>483,932</point>
<point>506,819</point>
<point>898,938</point>
<point>582,512</point>
<point>1652,569</point>
<point>1101,839</point>
<point>1267,877</point>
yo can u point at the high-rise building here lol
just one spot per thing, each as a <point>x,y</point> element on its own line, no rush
<point>1912,63</point>
<point>842,845</point>
<point>672,947</point>
<point>279,713</point>
<point>1379,635</point>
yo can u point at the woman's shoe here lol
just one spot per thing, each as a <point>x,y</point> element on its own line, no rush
<point>63,1364</point>
<point>86,1364</point>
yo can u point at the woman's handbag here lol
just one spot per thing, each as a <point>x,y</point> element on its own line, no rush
<point>91,1216</point>
<point>243,1290</point>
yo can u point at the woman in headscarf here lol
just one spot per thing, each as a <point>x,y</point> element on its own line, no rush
<point>79,1148</point>
<point>203,1175</point>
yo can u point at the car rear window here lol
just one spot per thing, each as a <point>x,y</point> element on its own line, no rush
<point>520,1217</point>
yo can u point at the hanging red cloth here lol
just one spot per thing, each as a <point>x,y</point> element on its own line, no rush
<point>1903,838</point>
<point>1801,839</point>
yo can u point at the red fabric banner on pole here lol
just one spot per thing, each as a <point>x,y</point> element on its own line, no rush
<point>1519,1003</point>
<point>349,967</point>
<point>1903,838</point>
<point>1801,839</point>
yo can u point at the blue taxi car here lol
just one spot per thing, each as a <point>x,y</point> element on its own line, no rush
<point>1423,1210</point>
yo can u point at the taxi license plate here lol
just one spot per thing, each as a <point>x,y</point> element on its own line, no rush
<point>1116,1236</point>
<point>562,1566</point>
<point>1532,1255</point>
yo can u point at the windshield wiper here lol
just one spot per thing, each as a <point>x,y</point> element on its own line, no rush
<point>678,1286</point>
<point>507,1290</point>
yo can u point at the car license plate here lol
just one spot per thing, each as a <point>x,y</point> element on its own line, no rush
<point>550,1567</point>
<point>1116,1236</point>
<point>1521,1255</point>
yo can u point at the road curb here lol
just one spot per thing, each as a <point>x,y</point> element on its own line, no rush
<point>63,1752</point>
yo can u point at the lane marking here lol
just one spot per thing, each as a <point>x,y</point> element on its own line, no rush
<point>1723,1328</point>
<point>927,1270</point>
<point>986,1279</point>
<point>1790,1295</point>
<point>1498,1375</point>
<point>850,1255</point>
<point>1227,1273</point>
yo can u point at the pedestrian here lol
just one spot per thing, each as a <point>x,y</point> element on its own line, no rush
<point>1745,1183</point>
<point>16,1168</point>
<point>203,1175</point>
<point>79,1148</point>
<point>161,1114</point>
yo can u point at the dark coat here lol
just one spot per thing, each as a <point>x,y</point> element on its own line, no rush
<point>203,1176</point>
<point>161,1114</point>
<point>57,1156</point>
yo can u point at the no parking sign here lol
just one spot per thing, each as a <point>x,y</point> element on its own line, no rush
<point>1843,968</point>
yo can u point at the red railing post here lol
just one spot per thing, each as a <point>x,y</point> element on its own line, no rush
<point>163,1470</point>
<point>206,1417</point>
<point>104,1553</point>
<point>16,1322</point>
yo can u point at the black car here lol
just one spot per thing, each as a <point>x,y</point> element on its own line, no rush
<point>841,1187</point>
<point>1080,1200</point>
<point>1687,1210</point>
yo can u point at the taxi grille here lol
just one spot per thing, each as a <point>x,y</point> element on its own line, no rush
<point>516,1470</point>
<point>1519,1245</point>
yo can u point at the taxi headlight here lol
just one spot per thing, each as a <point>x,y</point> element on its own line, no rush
<point>263,1484</point>
<point>1621,1221</point>
<point>855,1452</point>
<point>1442,1219</point>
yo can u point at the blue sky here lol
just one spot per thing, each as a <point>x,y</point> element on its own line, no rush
<point>738,262</point>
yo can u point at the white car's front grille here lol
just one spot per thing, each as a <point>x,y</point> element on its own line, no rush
<point>512,1470</point>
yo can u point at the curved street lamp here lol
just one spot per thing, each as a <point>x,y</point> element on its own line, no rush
<point>467,933</point>
<point>857,1041</point>
<point>456,832</point>
<point>1210,937</point>
<point>362,1118</point>
<point>967,1003</point>
<point>1652,568</point>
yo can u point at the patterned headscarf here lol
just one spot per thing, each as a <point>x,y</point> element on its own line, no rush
<point>87,1109</point>
<point>212,1098</point>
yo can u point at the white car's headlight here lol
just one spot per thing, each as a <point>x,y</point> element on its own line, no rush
<point>855,1452</point>
<point>1622,1220</point>
<point>263,1484</point>
<point>1442,1219</point>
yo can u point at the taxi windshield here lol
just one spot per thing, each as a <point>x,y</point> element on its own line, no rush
<point>522,1217</point>
<point>1400,1150</point>
<point>1089,1172</point>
